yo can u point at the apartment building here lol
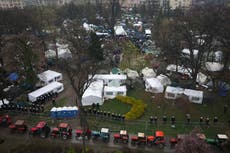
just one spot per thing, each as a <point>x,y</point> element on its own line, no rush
<point>7,4</point>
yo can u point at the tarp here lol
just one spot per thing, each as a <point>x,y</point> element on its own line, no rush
<point>164,80</point>
<point>214,66</point>
<point>153,85</point>
<point>112,92</point>
<point>131,73</point>
<point>119,31</point>
<point>148,73</point>
<point>93,94</point>
<point>52,87</point>
<point>173,92</point>
<point>194,96</point>
<point>13,76</point>
<point>49,76</point>
<point>201,78</point>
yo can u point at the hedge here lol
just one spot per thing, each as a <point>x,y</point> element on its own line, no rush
<point>138,107</point>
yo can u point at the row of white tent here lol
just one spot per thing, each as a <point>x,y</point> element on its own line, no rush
<point>104,86</point>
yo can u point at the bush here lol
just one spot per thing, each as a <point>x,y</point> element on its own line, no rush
<point>138,107</point>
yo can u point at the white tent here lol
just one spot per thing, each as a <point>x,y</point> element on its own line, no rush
<point>93,94</point>
<point>153,85</point>
<point>180,69</point>
<point>49,77</point>
<point>194,96</point>
<point>201,78</point>
<point>110,77</point>
<point>148,73</point>
<point>164,80</point>
<point>112,92</point>
<point>4,102</point>
<point>131,73</point>
<point>148,32</point>
<point>119,31</point>
<point>62,53</point>
<point>214,66</point>
<point>186,52</point>
<point>52,87</point>
<point>173,92</point>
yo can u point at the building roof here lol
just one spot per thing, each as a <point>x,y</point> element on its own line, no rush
<point>48,75</point>
<point>94,89</point>
<point>115,89</point>
<point>175,90</point>
<point>110,76</point>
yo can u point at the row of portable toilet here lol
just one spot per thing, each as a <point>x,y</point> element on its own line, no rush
<point>64,112</point>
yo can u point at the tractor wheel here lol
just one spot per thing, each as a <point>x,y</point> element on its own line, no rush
<point>43,135</point>
<point>115,141</point>
<point>161,146</point>
<point>64,137</point>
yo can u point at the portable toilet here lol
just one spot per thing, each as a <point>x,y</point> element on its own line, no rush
<point>59,112</point>
<point>53,112</point>
<point>75,111</point>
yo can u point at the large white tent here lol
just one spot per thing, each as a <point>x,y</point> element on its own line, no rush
<point>111,92</point>
<point>49,76</point>
<point>173,92</point>
<point>153,85</point>
<point>119,31</point>
<point>52,87</point>
<point>93,94</point>
<point>214,66</point>
<point>131,73</point>
<point>110,77</point>
<point>194,96</point>
<point>201,78</point>
<point>164,80</point>
<point>148,73</point>
<point>179,69</point>
<point>62,53</point>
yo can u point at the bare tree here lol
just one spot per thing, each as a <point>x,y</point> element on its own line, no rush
<point>80,69</point>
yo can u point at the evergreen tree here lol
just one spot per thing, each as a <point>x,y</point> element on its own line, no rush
<point>95,49</point>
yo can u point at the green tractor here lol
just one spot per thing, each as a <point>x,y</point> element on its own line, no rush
<point>219,140</point>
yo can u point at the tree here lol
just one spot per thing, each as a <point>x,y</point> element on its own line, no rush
<point>192,144</point>
<point>80,69</point>
<point>95,49</point>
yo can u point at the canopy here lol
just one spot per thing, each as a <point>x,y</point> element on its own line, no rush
<point>148,73</point>
<point>119,31</point>
<point>154,85</point>
<point>13,76</point>
<point>214,66</point>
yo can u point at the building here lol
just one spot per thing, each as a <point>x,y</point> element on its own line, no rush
<point>7,4</point>
<point>184,4</point>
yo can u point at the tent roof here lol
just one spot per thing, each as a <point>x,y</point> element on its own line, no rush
<point>164,79</point>
<point>214,66</point>
<point>110,76</point>
<point>171,89</point>
<point>148,72</point>
<point>154,82</point>
<point>94,89</point>
<point>195,93</point>
<point>48,75</point>
<point>119,30</point>
<point>45,89</point>
<point>112,88</point>
<point>13,76</point>
<point>187,51</point>
<point>148,31</point>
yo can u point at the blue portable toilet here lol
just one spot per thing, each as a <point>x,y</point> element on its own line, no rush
<point>59,112</point>
<point>64,112</point>
<point>70,111</point>
<point>75,111</point>
<point>53,112</point>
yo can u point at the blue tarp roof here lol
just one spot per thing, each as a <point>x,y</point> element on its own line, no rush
<point>13,76</point>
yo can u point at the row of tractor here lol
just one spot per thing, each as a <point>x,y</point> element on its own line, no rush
<point>64,131</point>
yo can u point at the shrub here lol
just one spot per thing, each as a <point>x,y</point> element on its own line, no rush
<point>138,107</point>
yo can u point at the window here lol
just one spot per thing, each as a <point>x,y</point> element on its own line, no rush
<point>59,88</point>
<point>195,98</point>
<point>109,93</point>
<point>120,93</point>
<point>170,95</point>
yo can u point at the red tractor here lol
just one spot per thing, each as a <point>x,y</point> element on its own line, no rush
<point>19,125</point>
<point>121,137</point>
<point>80,134</point>
<point>157,139</point>
<point>5,120</point>
<point>41,129</point>
<point>63,130</point>
<point>140,139</point>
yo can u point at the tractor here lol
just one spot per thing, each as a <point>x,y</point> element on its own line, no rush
<point>63,131</point>
<point>219,140</point>
<point>104,135</point>
<point>5,120</point>
<point>157,139</point>
<point>121,137</point>
<point>80,134</point>
<point>41,129</point>
<point>19,125</point>
<point>140,139</point>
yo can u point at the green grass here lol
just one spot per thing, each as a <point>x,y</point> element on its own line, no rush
<point>115,106</point>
